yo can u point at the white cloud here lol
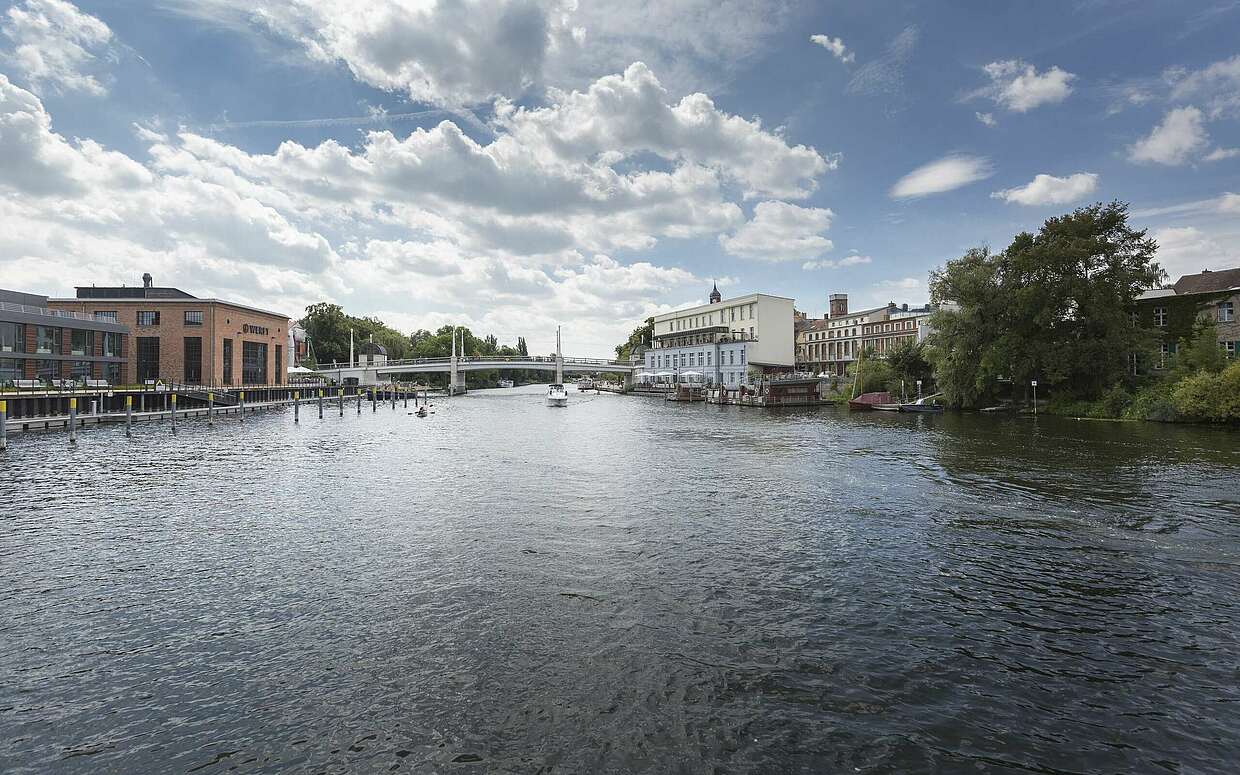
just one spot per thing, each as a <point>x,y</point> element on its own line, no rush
<point>1224,204</point>
<point>54,44</point>
<point>1221,154</point>
<point>516,231</point>
<point>1229,203</point>
<point>780,231</point>
<point>1019,87</point>
<point>470,51</point>
<point>835,46</point>
<point>986,118</point>
<point>1050,190</point>
<point>1187,250</point>
<point>945,174</point>
<point>1174,141</point>
<point>826,263</point>
<point>1217,86</point>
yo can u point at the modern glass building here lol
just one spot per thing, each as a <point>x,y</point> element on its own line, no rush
<point>56,347</point>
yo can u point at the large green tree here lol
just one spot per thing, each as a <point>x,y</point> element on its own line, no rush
<point>1054,306</point>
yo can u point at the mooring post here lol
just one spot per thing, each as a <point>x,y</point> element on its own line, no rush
<point>405,394</point>
<point>374,402</point>
<point>4,425</point>
<point>340,395</point>
<point>296,406</point>
<point>128,415</point>
<point>210,409</point>
<point>73,421</point>
<point>174,412</point>
<point>320,404</point>
<point>359,401</point>
<point>241,404</point>
<point>393,396</point>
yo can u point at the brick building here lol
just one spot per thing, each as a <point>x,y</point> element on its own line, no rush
<point>45,344</point>
<point>183,339</point>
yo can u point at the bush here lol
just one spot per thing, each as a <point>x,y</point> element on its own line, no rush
<point>1114,403</point>
<point>1152,403</point>
<point>1206,397</point>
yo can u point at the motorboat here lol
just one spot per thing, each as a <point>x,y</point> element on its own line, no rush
<point>504,383</point>
<point>557,395</point>
<point>585,383</point>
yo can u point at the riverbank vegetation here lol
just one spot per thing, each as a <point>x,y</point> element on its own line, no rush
<point>1058,307</point>
<point>328,326</point>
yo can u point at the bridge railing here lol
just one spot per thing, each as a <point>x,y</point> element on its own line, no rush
<point>602,363</point>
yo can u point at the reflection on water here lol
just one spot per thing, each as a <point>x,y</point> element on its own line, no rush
<point>625,585</point>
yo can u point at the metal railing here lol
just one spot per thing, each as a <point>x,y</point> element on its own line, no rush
<point>514,359</point>
<point>9,306</point>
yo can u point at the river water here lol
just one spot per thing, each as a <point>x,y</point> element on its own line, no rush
<point>625,585</point>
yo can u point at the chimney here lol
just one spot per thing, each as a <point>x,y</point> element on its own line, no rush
<point>146,280</point>
<point>838,305</point>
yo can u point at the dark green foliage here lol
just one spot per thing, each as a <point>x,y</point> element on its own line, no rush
<point>640,336</point>
<point>1054,306</point>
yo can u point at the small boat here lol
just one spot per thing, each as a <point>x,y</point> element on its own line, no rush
<point>504,383</point>
<point>585,383</point>
<point>921,405</point>
<point>872,400</point>
<point>421,411</point>
<point>557,395</point>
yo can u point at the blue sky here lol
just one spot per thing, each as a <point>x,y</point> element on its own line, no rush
<point>516,165</point>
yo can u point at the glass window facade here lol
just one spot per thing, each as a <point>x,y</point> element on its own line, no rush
<point>193,359</point>
<point>12,337</point>
<point>148,358</point>
<point>193,317</point>
<point>81,342</point>
<point>47,339</point>
<point>47,370</point>
<point>279,358</point>
<point>228,361</point>
<point>112,373</point>
<point>254,363</point>
<point>111,344</point>
<point>79,370</point>
<point>10,369</point>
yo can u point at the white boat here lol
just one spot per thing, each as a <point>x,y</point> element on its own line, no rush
<point>585,383</point>
<point>504,383</point>
<point>557,396</point>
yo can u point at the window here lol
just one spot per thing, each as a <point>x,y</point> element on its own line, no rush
<point>148,358</point>
<point>12,337</point>
<point>751,311</point>
<point>193,317</point>
<point>279,362</point>
<point>751,332</point>
<point>732,357</point>
<point>742,313</point>
<point>47,339</point>
<point>111,344</point>
<point>253,363</point>
<point>109,315</point>
<point>47,370</point>
<point>1160,317</point>
<point>228,361</point>
<point>81,342</point>
<point>10,369</point>
<point>146,318</point>
<point>1229,348</point>
<point>732,313</point>
<point>1226,312</point>
<point>709,356</point>
<point>112,373</point>
<point>742,357</point>
<point>79,370</point>
<point>193,359</point>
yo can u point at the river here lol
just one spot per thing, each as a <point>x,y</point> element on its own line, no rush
<point>625,585</point>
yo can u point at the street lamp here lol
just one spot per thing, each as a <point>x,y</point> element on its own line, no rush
<point>1034,383</point>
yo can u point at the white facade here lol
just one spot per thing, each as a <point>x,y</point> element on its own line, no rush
<point>730,342</point>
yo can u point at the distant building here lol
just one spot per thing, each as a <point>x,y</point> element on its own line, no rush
<point>298,345</point>
<point>1175,309</point>
<point>180,338</point>
<point>729,342</point>
<point>830,343</point>
<point>40,343</point>
<point>371,353</point>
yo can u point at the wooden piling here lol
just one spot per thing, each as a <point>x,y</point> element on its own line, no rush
<point>73,421</point>
<point>128,415</point>
<point>4,425</point>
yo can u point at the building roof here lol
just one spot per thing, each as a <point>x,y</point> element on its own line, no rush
<point>687,311</point>
<point>1207,281</point>
<point>372,348</point>
<point>130,292</point>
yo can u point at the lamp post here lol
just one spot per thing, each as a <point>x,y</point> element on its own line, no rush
<point>1034,383</point>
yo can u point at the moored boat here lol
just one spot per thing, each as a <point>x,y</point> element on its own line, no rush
<point>925,405</point>
<point>585,383</point>
<point>504,383</point>
<point>871,400</point>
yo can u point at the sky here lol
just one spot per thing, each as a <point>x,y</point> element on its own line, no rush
<point>514,165</point>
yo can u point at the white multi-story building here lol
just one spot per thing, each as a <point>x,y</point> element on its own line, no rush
<point>730,343</point>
